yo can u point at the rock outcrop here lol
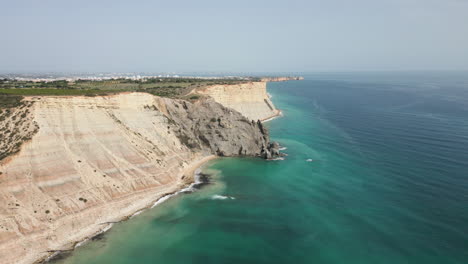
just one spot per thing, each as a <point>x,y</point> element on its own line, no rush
<point>209,127</point>
<point>250,99</point>
<point>93,160</point>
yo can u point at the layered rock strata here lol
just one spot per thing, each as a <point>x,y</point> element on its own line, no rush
<point>250,99</point>
<point>93,160</point>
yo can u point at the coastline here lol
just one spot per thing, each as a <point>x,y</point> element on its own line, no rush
<point>74,229</point>
<point>185,184</point>
<point>278,114</point>
<point>182,184</point>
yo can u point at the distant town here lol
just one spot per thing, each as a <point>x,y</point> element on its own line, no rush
<point>104,77</point>
<point>71,77</point>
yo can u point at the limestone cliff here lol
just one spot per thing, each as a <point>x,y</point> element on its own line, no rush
<point>250,99</point>
<point>93,160</point>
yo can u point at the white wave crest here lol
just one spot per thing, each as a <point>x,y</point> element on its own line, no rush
<point>105,229</point>
<point>221,197</point>
<point>190,188</point>
<point>52,256</point>
<point>162,199</point>
<point>79,244</point>
<point>276,159</point>
<point>136,213</point>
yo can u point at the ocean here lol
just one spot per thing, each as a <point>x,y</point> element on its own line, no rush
<point>376,172</point>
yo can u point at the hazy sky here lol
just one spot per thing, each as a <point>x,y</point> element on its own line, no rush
<point>236,35</point>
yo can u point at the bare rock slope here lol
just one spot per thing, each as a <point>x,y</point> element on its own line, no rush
<point>94,160</point>
<point>209,127</point>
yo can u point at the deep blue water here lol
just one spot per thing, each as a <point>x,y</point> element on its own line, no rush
<point>388,183</point>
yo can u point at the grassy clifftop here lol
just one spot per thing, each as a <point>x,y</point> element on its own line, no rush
<point>165,87</point>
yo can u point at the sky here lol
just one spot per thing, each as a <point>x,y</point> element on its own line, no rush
<point>233,36</point>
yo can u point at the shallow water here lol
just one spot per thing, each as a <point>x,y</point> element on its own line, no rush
<point>387,183</point>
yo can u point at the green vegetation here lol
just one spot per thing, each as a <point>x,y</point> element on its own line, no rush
<point>9,101</point>
<point>15,126</point>
<point>52,91</point>
<point>165,87</point>
<point>194,97</point>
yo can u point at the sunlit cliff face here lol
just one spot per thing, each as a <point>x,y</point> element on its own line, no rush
<point>94,160</point>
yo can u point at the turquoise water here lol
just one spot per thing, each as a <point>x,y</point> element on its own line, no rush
<point>388,183</point>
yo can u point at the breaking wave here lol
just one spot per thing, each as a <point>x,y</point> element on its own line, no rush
<point>221,197</point>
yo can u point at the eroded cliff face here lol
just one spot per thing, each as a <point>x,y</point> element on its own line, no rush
<point>209,127</point>
<point>93,160</point>
<point>250,99</point>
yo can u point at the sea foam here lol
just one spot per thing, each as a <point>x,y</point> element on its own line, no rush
<point>221,197</point>
<point>276,159</point>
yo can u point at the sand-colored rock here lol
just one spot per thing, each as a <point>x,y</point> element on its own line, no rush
<point>92,161</point>
<point>96,160</point>
<point>250,99</point>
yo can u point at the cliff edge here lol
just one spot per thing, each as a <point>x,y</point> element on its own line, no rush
<point>250,99</point>
<point>76,164</point>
